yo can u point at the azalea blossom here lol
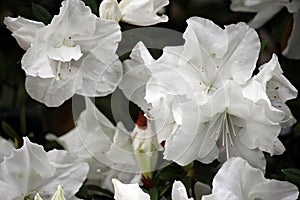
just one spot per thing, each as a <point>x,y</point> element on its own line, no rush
<point>272,87</point>
<point>207,74</point>
<point>75,53</point>
<point>92,139</point>
<point>30,169</point>
<point>265,10</point>
<point>238,180</point>
<point>141,13</point>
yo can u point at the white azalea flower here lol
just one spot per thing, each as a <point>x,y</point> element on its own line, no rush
<point>238,180</point>
<point>207,61</point>
<point>272,87</point>
<point>91,140</point>
<point>128,191</point>
<point>141,13</point>
<point>215,119</point>
<point>30,169</point>
<point>265,10</point>
<point>75,53</point>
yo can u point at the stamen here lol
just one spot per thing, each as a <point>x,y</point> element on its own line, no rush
<point>232,127</point>
<point>58,71</point>
<point>69,66</point>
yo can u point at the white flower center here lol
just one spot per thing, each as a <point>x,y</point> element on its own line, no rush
<point>64,52</point>
<point>221,126</point>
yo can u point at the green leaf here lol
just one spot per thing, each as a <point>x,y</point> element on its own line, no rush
<point>297,130</point>
<point>93,5</point>
<point>154,194</point>
<point>292,175</point>
<point>41,13</point>
<point>9,131</point>
<point>82,193</point>
<point>23,121</point>
<point>165,189</point>
<point>100,190</point>
<point>263,45</point>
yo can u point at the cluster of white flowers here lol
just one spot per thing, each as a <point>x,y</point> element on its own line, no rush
<point>199,101</point>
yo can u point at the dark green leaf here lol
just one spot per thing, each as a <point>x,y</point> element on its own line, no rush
<point>292,175</point>
<point>9,131</point>
<point>154,194</point>
<point>297,130</point>
<point>100,190</point>
<point>93,5</point>
<point>41,13</point>
<point>165,189</point>
<point>23,121</point>
<point>82,193</point>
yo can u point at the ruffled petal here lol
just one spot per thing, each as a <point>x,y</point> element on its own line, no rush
<point>143,13</point>
<point>23,30</point>
<point>109,9</point>
<point>292,49</point>
<point>128,191</point>
<point>179,191</point>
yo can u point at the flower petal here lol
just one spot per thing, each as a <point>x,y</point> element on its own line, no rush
<point>142,13</point>
<point>128,191</point>
<point>109,9</point>
<point>23,30</point>
<point>179,191</point>
<point>24,171</point>
<point>50,91</point>
<point>6,148</point>
<point>65,53</point>
<point>291,51</point>
<point>272,188</point>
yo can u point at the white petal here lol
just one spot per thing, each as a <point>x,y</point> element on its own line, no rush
<point>36,62</point>
<point>235,180</point>
<point>24,30</point>
<point>121,151</point>
<point>265,10</point>
<point>136,75</point>
<point>50,91</point>
<point>255,157</point>
<point>6,148</point>
<point>100,68</point>
<point>291,51</point>
<point>65,53</point>
<point>24,171</point>
<point>67,21</point>
<point>265,14</point>
<point>128,191</point>
<point>70,173</point>
<point>201,189</point>
<point>179,192</point>
<point>109,9</point>
<point>142,13</point>
<point>214,44</point>
<point>273,188</point>
<point>242,42</point>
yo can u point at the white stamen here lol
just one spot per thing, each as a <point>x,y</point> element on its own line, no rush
<point>58,71</point>
<point>69,66</point>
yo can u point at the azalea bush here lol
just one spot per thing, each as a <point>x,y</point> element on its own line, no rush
<point>150,99</point>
